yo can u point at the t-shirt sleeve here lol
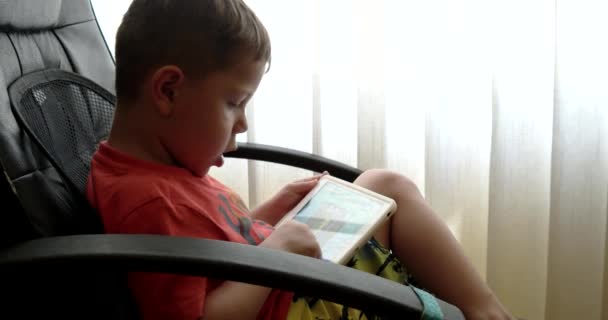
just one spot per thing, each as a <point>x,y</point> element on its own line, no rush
<point>167,296</point>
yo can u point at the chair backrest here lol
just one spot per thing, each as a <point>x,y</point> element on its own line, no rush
<point>56,103</point>
<point>41,35</point>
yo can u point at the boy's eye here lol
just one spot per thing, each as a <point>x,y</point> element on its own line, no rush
<point>234,104</point>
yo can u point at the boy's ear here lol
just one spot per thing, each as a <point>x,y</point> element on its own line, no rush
<point>166,83</point>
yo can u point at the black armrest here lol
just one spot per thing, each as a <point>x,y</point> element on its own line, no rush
<point>294,158</point>
<point>217,259</point>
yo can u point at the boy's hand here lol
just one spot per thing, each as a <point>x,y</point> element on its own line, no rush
<point>295,237</point>
<point>274,209</point>
<point>294,192</point>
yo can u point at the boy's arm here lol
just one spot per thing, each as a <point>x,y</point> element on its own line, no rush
<point>235,300</point>
<point>288,197</point>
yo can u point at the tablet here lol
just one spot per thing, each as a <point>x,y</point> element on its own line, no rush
<point>343,216</point>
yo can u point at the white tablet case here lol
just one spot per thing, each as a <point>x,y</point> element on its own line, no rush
<point>339,228</point>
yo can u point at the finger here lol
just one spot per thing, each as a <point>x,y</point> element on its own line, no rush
<point>311,178</point>
<point>302,186</point>
<point>314,177</point>
<point>318,253</point>
<point>319,175</point>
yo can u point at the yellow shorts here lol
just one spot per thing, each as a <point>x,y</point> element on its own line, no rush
<point>371,258</point>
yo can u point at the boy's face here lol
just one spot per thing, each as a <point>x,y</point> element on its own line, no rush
<point>207,114</point>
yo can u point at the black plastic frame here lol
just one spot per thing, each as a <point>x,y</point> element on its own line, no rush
<point>225,260</point>
<point>294,158</point>
<point>216,259</point>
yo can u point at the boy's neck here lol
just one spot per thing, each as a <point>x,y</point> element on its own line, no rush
<point>133,134</point>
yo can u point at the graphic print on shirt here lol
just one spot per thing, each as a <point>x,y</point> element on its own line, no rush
<point>239,221</point>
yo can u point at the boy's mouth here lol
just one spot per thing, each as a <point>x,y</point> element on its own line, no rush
<point>219,161</point>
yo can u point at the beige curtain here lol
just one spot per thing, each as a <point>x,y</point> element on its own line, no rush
<point>498,110</point>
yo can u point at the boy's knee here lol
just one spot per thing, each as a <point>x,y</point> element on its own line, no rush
<point>387,182</point>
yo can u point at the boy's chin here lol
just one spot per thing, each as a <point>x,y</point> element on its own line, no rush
<point>203,171</point>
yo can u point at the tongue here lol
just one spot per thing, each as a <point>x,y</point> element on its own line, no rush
<point>219,161</point>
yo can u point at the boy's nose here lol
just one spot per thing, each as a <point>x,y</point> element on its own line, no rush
<point>241,125</point>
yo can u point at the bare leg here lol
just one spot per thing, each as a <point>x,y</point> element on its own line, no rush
<point>424,244</point>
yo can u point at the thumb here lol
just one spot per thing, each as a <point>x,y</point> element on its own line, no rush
<point>302,186</point>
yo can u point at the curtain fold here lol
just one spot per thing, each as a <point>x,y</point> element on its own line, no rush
<point>498,110</point>
<point>577,237</point>
<point>520,174</point>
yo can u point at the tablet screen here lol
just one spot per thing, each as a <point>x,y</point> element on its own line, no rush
<point>339,216</point>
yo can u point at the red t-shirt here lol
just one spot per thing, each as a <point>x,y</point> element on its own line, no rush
<point>136,196</point>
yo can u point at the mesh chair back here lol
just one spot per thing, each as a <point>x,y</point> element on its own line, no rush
<point>67,116</point>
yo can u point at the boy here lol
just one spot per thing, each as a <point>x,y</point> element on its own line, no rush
<point>185,70</point>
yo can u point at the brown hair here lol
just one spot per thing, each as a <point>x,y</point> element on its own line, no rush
<point>199,36</point>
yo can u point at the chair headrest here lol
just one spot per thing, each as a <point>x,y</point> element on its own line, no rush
<point>29,14</point>
<point>35,15</point>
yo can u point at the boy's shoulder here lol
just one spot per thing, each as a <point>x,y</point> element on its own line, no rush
<point>126,182</point>
<point>120,179</point>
